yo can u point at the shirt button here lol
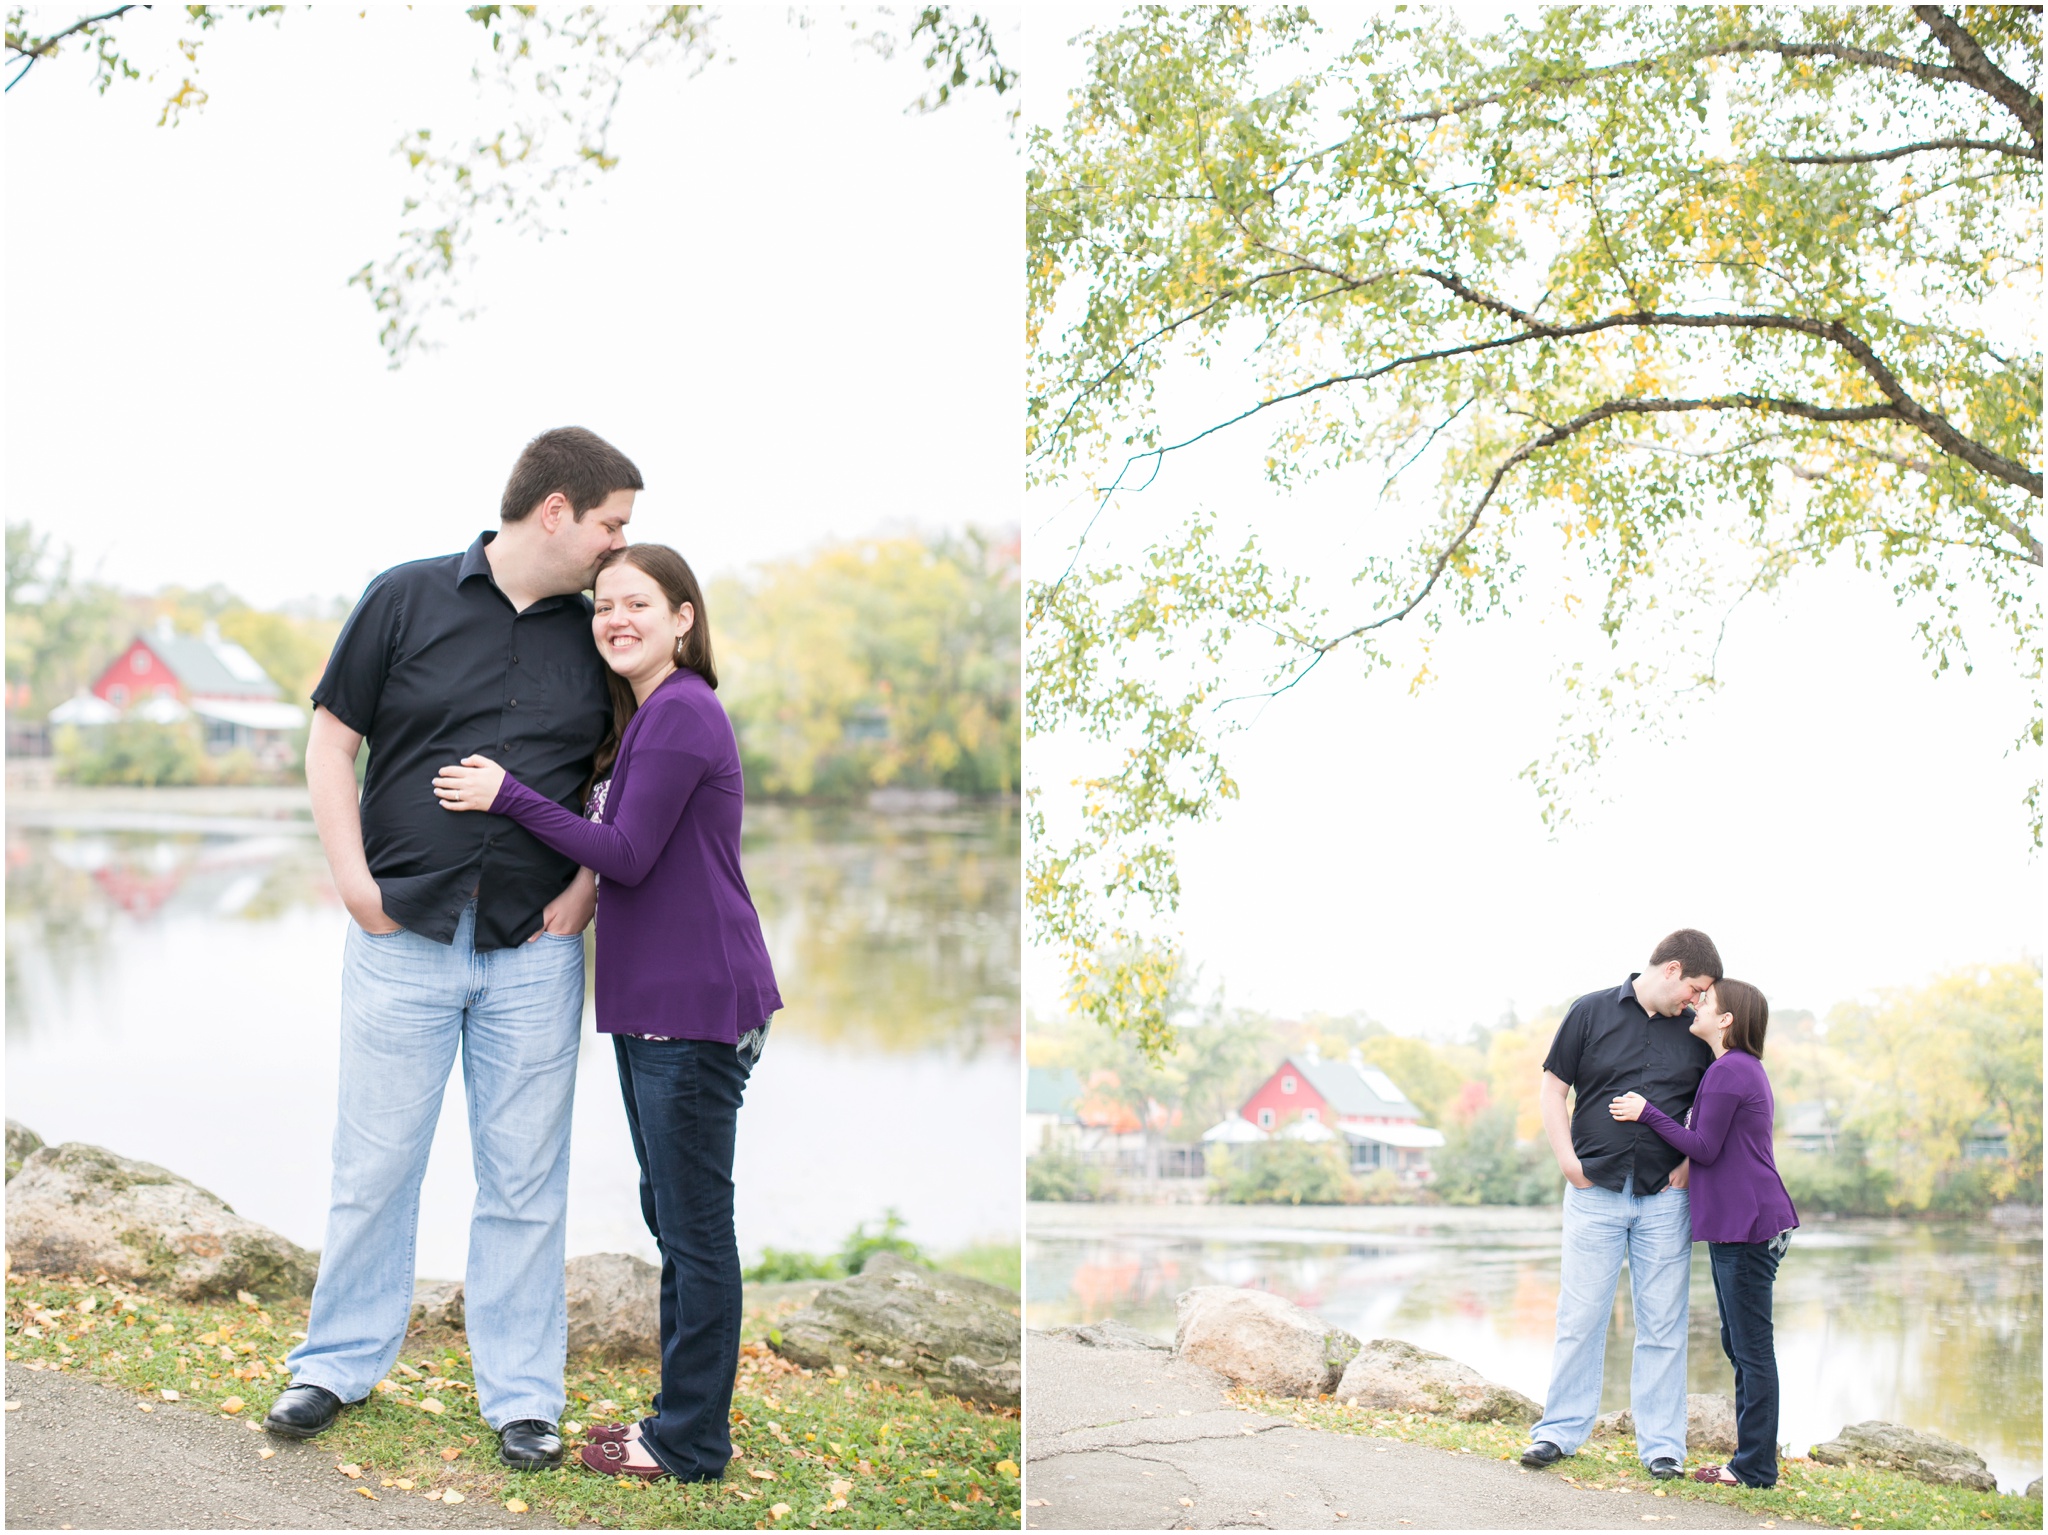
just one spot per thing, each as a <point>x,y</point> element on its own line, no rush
<point>513,705</point>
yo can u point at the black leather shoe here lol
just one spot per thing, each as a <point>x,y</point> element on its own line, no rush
<point>1540,1454</point>
<point>1666,1469</point>
<point>530,1444</point>
<point>300,1412</point>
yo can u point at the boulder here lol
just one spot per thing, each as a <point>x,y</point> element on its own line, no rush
<point>1929,1457</point>
<point>1110,1333</point>
<point>1391,1376</point>
<point>2034,1489</point>
<point>614,1304</point>
<point>1252,1338</point>
<point>915,1326</point>
<point>1709,1423</point>
<point>437,1303</point>
<point>22,1143</point>
<point>79,1209</point>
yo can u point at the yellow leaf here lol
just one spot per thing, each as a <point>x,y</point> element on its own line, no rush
<point>232,1406</point>
<point>168,1396</point>
<point>246,1298</point>
<point>841,1488</point>
<point>450,1453</point>
<point>778,1511</point>
<point>451,1496</point>
<point>265,1453</point>
<point>432,1406</point>
<point>515,1505</point>
<point>367,1493</point>
<point>1007,1467</point>
<point>403,1484</point>
<point>766,1476</point>
<point>351,1470</point>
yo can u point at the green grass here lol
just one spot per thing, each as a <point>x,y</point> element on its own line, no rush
<point>837,1452</point>
<point>1838,1497</point>
<point>995,1262</point>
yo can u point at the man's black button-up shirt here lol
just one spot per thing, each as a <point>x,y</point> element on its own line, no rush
<point>432,666</point>
<point>1606,1046</point>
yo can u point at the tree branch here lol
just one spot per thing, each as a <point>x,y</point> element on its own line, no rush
<point>1990,146</point>
<point>48,45</point>
<point>1977,68</point>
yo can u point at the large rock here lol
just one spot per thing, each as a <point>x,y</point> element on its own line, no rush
<point>1709,1423</point>
<point>1252,1338</point>
<point>437,1303</point>
<point>1929,1457</point>
<point>614,1304</point>
<point>915,1326</point>
<point>1391,1376</point>
<point>22,1143</point>
<point>79,1209</point>
<point>2034,1489</point>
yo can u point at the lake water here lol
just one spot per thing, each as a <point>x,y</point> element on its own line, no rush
<point>1933,1326</point>
<point>172,994</point>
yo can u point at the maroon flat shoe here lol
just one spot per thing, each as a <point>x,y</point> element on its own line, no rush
<point>608,1458</point>
<point>598,1433</point>
<point>1720,1476</point>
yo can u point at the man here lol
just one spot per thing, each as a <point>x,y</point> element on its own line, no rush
<point>1625,1199</point>
<point>467,933</point>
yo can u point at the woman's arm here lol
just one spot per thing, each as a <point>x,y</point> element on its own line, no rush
<point>661,784</point>
<point>1713,1113</point>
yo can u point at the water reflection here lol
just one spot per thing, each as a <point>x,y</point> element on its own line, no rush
<point>1936,1326</point>
<point>172,992</point>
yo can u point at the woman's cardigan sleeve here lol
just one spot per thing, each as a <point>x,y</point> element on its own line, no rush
<point>662,781</point>
<point>1712,1115</point>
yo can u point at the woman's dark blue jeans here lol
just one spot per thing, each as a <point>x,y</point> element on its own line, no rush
<point>682,1105</point>
<point>1744,1273</point>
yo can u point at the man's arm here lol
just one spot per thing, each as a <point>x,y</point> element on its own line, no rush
<point>331,749</point>
<point>1557,1124</point>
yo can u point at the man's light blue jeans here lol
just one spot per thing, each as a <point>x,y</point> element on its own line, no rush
<point>1601,1227</point>
<point>407,1003</point>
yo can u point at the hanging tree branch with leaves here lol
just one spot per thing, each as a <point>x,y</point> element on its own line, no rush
<point>1626,275</point>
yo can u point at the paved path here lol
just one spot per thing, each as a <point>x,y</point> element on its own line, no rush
<point>81,1455</point>
<point>1134,1439</point>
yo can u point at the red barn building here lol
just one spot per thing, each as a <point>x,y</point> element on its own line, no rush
<point>1357,1102</point>
<point>166,675</point>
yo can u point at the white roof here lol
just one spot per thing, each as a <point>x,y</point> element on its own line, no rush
<point>1411,1137</point>
<point>1235,1131</point>
<point>84,709</point>
<point>1309,1130</point>
<point>251,713</point>
<point>160,711</point>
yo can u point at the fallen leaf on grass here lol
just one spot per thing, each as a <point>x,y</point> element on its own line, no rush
<point>451,1496</point>
<point>450,1453</point>
<point>232,1405</point>
<point>432,1406</point>
<point>779,1511</point>
<point>515,1505</point>
<point>766,1476</point>
<point>265,1453</point>
<point>1007,1467</point>
<point>168,1395</point>
<point>246,1298</point>
<point>841,1488</point>
<point>572,1428</point>
<point>403,1484</point>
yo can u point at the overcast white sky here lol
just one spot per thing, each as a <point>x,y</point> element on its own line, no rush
<point>1835,818</point>
<point>792,304</point>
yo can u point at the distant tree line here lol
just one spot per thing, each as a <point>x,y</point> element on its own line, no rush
<point>874,663</point>
<point>1929,1099</point>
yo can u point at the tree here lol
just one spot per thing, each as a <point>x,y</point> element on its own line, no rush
<point>557,75</point>
<point>1702,295</point>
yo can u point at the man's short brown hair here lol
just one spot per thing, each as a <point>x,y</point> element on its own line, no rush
<point>1749,1012</point>
<point>1694,951</point>
<point>578,463</point>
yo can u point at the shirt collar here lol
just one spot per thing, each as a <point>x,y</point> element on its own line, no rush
<point>474,561</point>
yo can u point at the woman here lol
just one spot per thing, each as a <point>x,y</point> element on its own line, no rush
<point>1739,1209</point>
<point>683,981</point>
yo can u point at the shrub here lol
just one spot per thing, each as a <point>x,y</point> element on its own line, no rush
<point>1059,1174</point>
<point>131,752</point>
<point>862,1244</point>
<point>1841,1182</point>
<point>1483,1164</point>
<point>1285,1173</point>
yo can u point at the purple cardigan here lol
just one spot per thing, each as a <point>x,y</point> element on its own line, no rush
<point>679,948</point>
<point>1737,1195</point>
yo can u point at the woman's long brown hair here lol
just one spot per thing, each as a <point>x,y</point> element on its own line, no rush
<point>678,583</point>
